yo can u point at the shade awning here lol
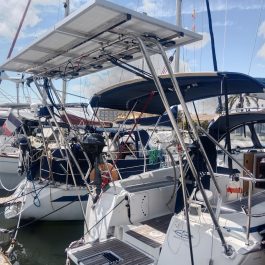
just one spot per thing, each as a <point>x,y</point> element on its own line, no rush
<point>194,86</point>
<point>218,129</point>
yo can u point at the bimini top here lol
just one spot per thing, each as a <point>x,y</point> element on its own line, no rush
<point>218,129</point>
<point>84,41</point>
<point>141,95</point>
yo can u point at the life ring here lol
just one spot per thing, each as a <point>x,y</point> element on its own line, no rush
<point>108,173</point>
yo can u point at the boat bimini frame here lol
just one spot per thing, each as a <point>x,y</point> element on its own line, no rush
<point>159,50</point>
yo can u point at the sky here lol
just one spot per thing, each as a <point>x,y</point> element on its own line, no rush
<point>238,26</point>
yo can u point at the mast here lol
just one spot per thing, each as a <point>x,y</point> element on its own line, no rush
<point>14,42</point>
<point>18,101</point>
<point>178,23</point>
<point>66,13</point>
<point>66,8</point>
<point>220,105</point>
<point>18,30</point>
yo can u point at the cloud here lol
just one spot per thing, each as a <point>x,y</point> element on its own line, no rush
<point>261,31</point>
<point>223,24</point>
<point>35,34</point>
<point>102,80</point>
<point>158,8</point>
<point>10,17</point>
<point>92,84</point>
<point>220,5</point>
<point>261,52</point>
<point>199,44</point>
<point>260,65</point>
<point>74,4</point>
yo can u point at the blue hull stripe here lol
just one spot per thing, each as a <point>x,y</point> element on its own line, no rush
<point>254,229</point>
<point>258,228</point>
<point>71,198</point>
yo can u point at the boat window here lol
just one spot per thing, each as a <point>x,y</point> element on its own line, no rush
<point>260,130</point>
<point>240,138</point>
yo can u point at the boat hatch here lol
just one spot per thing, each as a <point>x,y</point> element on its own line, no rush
<point>112,251</point>
<point>104,257</point>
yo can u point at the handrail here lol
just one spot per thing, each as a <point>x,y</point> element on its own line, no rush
<point>226,152</point>
<point>250,178</point>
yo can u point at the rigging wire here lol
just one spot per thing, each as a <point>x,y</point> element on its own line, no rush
<point>58,12</point>
<point>194,29</point>
<point>137,6</point>
<point>130,68</point>
<point>103,217</point>
<point>256,35</point>
<point>18,30</point>
<point>7,96</point>
<point>202,29</point>
<point>225,33</point>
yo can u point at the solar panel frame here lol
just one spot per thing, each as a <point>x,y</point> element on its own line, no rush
<point>80,44</point>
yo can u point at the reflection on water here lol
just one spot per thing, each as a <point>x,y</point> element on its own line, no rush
<point>43,243</point>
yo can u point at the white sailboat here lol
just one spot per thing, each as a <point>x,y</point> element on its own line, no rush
<point>134,221</point>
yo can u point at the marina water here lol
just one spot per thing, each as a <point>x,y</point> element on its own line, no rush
<point>43,243</point>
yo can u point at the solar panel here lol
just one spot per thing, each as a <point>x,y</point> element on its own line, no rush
<point>84,41</point>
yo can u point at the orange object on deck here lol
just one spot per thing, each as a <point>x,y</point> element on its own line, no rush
<point>108,172</point>
<point>234,189</point>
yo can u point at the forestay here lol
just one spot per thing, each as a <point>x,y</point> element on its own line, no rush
<point>84,41</point>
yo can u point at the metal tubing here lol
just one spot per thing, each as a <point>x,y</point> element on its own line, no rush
<point>175,126</point>
<point>249,211</point>
<point>228,138</point>
<point>227,153</point>
<point>183,184</point>
<point>187,114</point>
<point>71,153</point>
<point>46,150</point>
<point>67,145</point>
<point>68,120</point>
<point>178,23</point>
<point>66,13</point>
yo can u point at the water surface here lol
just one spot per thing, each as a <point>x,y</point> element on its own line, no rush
<point>43,243</point>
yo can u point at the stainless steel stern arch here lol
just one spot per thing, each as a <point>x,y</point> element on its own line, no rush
<point>227,248</point>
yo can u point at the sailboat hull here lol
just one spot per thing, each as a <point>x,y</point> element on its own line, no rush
<point>49,203</point>
<point>8,172</point>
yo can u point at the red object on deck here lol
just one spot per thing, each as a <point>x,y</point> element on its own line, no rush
<point>75,120</point>
<point>234,190</point>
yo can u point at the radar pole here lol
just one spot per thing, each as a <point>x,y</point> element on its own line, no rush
<point>66,13</point>
<point>178,23</point>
